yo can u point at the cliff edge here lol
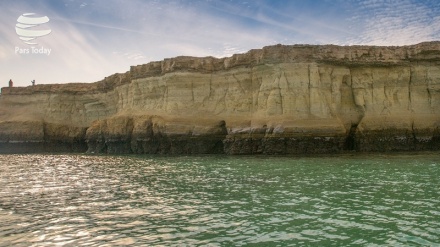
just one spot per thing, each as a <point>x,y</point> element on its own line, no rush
<point>276,100</point>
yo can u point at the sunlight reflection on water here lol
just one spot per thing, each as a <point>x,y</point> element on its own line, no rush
<point>219,200</point>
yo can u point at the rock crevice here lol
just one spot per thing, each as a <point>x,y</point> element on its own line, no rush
<point>276,100</point>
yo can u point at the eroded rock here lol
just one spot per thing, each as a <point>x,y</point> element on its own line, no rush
<point>275,100</point>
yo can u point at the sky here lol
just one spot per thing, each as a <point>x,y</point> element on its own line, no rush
<point>92,39</point>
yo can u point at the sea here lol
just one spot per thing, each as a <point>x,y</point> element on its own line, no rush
<point>217,200</point>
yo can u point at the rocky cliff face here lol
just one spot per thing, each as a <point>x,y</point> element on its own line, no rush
<point>275,100</point>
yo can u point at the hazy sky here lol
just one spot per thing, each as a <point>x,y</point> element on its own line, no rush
<point>96,38</point>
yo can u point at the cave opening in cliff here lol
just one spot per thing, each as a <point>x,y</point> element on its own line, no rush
<point>350,141</point>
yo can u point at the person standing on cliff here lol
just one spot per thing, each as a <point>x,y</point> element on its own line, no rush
<point>33,82</point>
<point>11,84</point>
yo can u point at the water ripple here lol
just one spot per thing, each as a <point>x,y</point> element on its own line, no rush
<point>50,200</point>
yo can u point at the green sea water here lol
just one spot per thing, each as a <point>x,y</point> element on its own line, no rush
<point>345,200</point>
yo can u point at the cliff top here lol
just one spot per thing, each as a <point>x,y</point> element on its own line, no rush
<point>356,55</point>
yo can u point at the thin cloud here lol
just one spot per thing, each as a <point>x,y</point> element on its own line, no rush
<point>396,22</point>
<point>93,39</point>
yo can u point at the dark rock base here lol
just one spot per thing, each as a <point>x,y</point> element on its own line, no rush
<point>159,145</point>
<point>288,145</point>
<point>397,140</point>
<point>235,145</point>
<point>42,147</point>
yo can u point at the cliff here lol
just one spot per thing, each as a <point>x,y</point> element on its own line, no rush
<point>275,100</point>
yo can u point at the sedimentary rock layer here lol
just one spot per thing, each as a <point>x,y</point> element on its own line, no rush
<point>276,100</point>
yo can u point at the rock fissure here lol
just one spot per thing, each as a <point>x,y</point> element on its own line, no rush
<point>276,100</point>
